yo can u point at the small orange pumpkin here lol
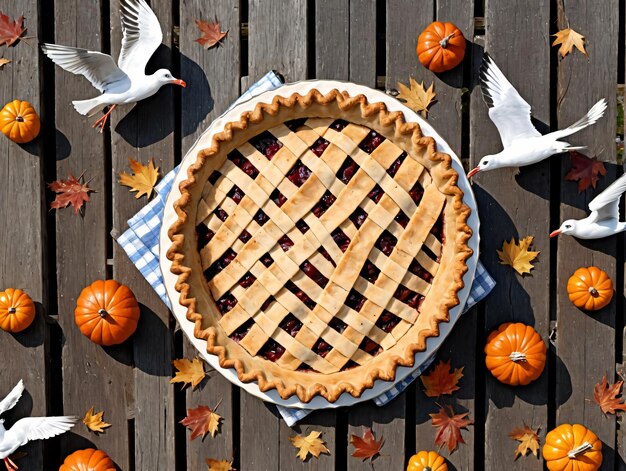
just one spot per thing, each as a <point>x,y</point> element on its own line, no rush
<point>427,461</point>
<point>441,46</point>
<point>107,312</point>
<point>516,354</point>
<point>19,121</point>
<point>17,310</point>
<point>88,460</point>
<point>570,447</point>
<point>590,288</point>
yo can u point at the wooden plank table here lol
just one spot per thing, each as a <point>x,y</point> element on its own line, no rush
<point>53,255</point>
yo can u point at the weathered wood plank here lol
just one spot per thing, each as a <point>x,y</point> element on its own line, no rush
<point>320,421</point>
<point>514,207</point>
<point>586,344</point>
<point>144,133</point>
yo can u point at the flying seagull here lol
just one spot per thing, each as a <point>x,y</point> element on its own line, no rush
<point>604,218</point>
<point>25,430</point>
<point>522,143</point>
<point>127,81</point>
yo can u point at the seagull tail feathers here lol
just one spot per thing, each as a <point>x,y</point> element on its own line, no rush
<point>594,114</point>
<point>88,107</point>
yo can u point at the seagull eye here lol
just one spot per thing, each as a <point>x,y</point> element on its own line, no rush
<point>486,162</point>
<point>567,226</point>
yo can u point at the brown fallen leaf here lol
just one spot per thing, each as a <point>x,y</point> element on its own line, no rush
<point>72,191</point>
<point>312,444</point>
<point>568,38</point>
<point>202,420</point>
<point>366,447</point>
<point>10,31</point>
<point>189,372</point>
<point>417,97</point>
<point>529,441</point>
<point>606,396</point>
<point>4,62</point>
<point>517,255</point>
<point>142,180</point>
<point>212,34</point>
<point>94,422</point>
<point>449,427</point>
<point>219,465</point>
<point>441,380</point>
<point>584,170</point>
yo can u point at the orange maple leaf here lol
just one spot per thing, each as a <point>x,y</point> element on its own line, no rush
<point>584,170</point>
<point>202,420</point>
<point>189,372</point>
<point>529,441</point>
<point>449,427</point>
<point>441,380</point>
<point>366,447</point>
<point>212,34</point>
<point>606,396</point>
<point>72,191</point>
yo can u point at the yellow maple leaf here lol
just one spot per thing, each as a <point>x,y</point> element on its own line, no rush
<point>518,256</point>
<point>189,372</point>
<point>529,441</point>
<point>219,465</point>
<point>312,443</point>
<point>4,62</point>
<point>94,422</point>
<point>417,97</point>
<point>568,38</point>
<point>142,180</point>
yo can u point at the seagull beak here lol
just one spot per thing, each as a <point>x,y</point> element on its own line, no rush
<point>555,233</point>
<point>473,172</point>
<point>179,82</point>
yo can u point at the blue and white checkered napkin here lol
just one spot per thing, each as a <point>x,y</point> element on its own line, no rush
<point>141,244</point>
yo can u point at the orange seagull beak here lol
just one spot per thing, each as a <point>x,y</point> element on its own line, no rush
<point>473,172</point>
<point>555,233</point>
<point>179,82</point>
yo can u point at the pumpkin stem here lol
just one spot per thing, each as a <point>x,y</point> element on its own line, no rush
<point>12,310</point>
<point>579,450</point>
<point>19,119</point>
<point>444,42</point>
<point>593,292</point>
<point>428,468</point>
<point>103,313</point>
<point>517,356</point>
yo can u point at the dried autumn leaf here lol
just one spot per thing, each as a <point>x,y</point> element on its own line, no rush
<point>142,180</point>
<point>94,422</point>
<point>606,396</point>
<point>219,465</point>
<point>366,447</point>
<point>312,444</point>
<point>4,62</point>
<point>518,256</point>
<point>189,372</point>
<point>202,420</point>
<point>417,97</point>
<point>529,441</point>
<point>212,34</point>
<point>568,38</point>
<point>10,31</point>
<point>584,170</point>
<point>449,427</point>
<point>71,191</point>
<point>441,380</point>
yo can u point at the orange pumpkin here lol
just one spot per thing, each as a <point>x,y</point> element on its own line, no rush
<point>590,288</point>
<point>516,354</point>
<point>17,310</point>
<point>107,312</point>
<point>19,121</point>
<point>427,461</point>
<point>88,460</point>
<point>572,447</point>
<point>441,46</point>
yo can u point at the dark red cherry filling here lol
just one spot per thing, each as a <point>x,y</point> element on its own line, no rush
<point>358,217</point>
<point>247,280</point>
<point>214,177</point>
<point>369,346</point>
<point>267,144</point>
<point>395,166</point>
<point>204,235</point>
<point>302,226</point>
<point>341,239</point>
<point>386,242</point>
<point>245,236</point>
<point>220,213</point>
<point>347,170</point>
<point>266,260</point>
<point>298,174</point>
<point>324,203</point>
<point>371,142</point>
<point>272,351</point>
<point>355,300</point>
<point>301,295</point>
<point>401,218</point>
<point>260,217</point>
<point>226,303</point>
<point>219,264</point>
<point>285,242</point>
<point>376,194</point>
<point>437,229</point>
<point>387,321</point>
<point>291,325</point>
<point>236,194</point>
<point>419,270</point>
<point>313,273</point>
<point>408,296</point>
<point>295,124</point>
<point>338,125</point>
<point>416,193</point>
<point>244,164</point>
<point>370,272</point>
<point>242,331</point>
<point>321,347</point>
<point>319,146</point>
<point>278,198</point>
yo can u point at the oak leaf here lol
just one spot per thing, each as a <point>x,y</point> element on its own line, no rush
<point>568,38</point>
<point>517,255</point>
<point>449,427</point>
<point>94,421</point>
<point>219,465</point>
<point>202,420</point>
<point>529,441</point>
<point>366,447</point>
<point>212,34</point>
<point>10,31</point>
<point>584,170</point>
<point>606,396</point>
<point>72,191</point>
<point>189,372</point>
<point>441,379</point>
<point>312,444</point>
<point>417,97</point>
<point>4,62</point>
<point>142,180</point>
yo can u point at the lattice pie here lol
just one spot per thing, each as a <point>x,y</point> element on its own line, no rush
<point>320,241</point>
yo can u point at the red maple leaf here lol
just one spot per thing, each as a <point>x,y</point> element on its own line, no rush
<point>366,446</point>
<point>202,420</point>
<point>10,31</point>
<point>449,427</point>
<point>71,191</point>
<point>441,380</point>
<point>606,396</point>
<point>584,170</point>
<point>212,33</point>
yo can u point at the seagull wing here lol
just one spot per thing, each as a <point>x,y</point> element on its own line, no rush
<point>11,399</point>
<point>507,109</point>
<point>38,428</point>
<point>142,36</point>
<point>606,204</point>
<point>98,68</point>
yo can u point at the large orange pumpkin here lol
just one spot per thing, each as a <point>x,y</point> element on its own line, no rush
<point>590,288</point>
<point>427,461</point>
<point>516,354</point>
<point>17,310</point>
<point>572,447</point>
<point>107,312</point>
<point>88,460</point>
<point>441,46</point>
<point>19,121</point>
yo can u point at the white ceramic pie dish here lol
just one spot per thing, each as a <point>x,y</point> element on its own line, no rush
<point>169,217</point>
